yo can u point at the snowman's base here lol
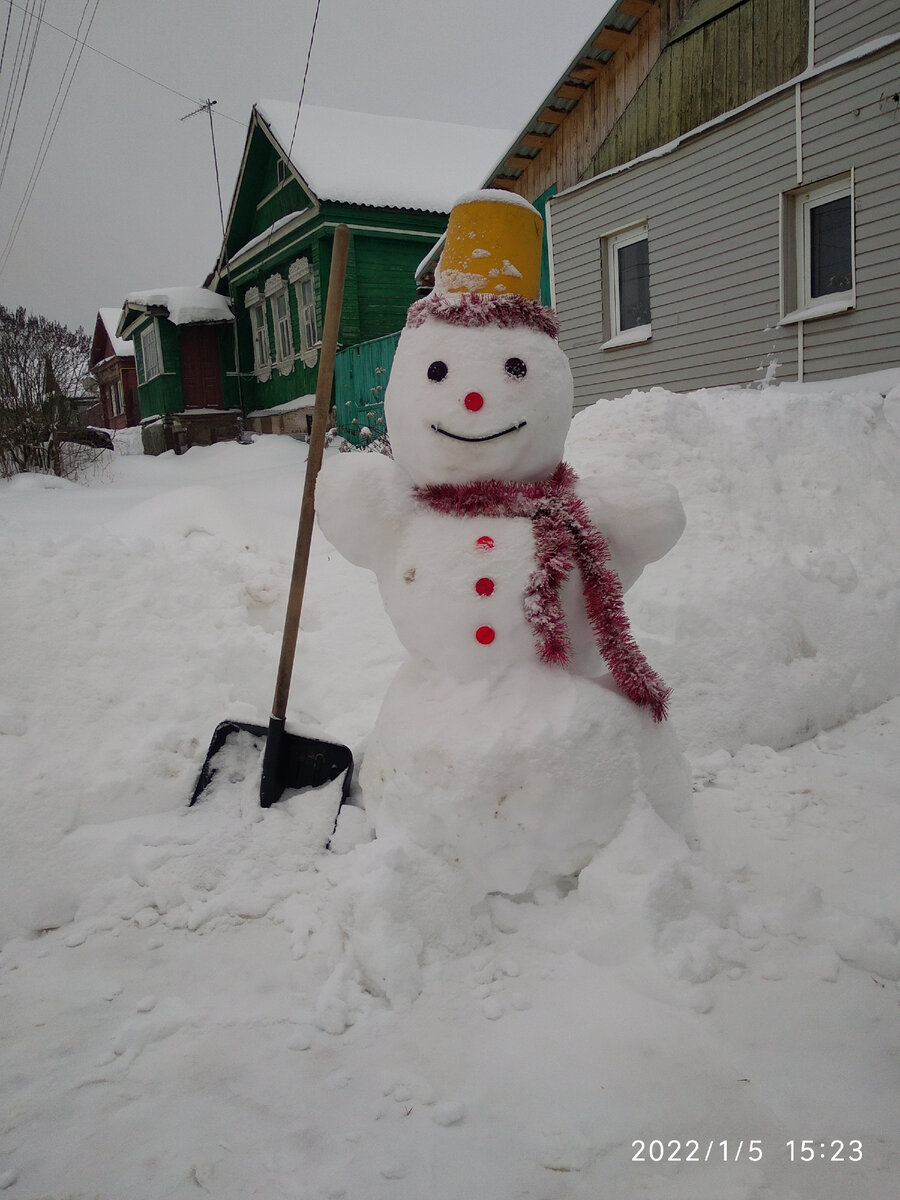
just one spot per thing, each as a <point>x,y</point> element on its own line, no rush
<point>519,778</point>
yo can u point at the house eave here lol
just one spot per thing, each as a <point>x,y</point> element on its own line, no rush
<point>563,98</point>
<point>875,46</point>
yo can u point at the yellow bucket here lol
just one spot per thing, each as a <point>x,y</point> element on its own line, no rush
<point>493,246</point>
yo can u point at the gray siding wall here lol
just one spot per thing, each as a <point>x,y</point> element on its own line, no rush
<point>842,24</point>
<point>713,211</point>
<point>845,125</point>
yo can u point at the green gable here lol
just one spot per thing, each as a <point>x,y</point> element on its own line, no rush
<point>276,261</point>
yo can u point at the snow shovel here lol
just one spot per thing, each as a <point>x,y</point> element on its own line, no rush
<point>289,760</point>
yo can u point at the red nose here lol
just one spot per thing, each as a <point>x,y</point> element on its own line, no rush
<point>473,401</point>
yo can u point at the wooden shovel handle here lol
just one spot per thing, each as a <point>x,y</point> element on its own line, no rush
<point>313,463</point>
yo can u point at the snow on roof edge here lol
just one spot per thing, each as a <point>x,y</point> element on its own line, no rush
<point>122,347</point>
<point>185,305</point>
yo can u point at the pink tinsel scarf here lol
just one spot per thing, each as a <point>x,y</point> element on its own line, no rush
<point>563,537</point>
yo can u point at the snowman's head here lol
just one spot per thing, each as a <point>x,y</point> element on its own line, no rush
<point>470,401</point>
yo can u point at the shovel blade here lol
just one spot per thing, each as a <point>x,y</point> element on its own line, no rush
<point>290,761</point>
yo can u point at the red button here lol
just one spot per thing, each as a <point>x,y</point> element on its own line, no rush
<point>484,586</point>
<point>485,635</point>
<point>474,401</point>
<point>485,543</point>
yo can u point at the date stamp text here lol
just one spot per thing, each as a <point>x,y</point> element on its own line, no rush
<point>734,1150</point>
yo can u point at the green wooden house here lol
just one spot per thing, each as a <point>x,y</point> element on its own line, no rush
<point>183,350</point>
<point>392,180</point>
<point>243,350</point>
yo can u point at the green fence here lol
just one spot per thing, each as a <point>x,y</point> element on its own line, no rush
<point>361,375</point>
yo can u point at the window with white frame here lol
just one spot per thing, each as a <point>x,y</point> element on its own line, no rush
<point>116,398</point>
<point>626,262</point>
<point>256,304</point>
<point>277,292</point>
<point>818,277</point>
<point>151,352</point>
<point>284,337</point>
<point>301,277</point>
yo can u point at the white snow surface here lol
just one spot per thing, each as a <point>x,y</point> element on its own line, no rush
<point>206,1000</point>
<point>387,162</point>
<point>122,347</point>
<point>186,305</point>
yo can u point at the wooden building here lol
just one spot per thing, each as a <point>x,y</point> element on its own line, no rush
<point>721,185</point>
<point>182,344</point>
<point>392,180</point>
<point>111,363</point>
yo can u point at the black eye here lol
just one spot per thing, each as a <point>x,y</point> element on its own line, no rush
<point>437,371</point>
<point>516,368</point>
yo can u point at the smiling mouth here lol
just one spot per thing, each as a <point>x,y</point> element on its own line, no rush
<point>484,437</point>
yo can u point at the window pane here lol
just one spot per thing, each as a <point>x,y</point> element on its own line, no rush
<point>151,352</point>
<point>830,267</point>
<point>634,284</point>
<point>310,334</point>
<point>260,336</point>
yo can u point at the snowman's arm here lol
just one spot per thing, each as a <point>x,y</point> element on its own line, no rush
<point>641,520</point>
<point>361,499</point>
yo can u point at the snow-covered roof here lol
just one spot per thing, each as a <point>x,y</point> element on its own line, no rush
<point>122,347</point>
<point>186,305</point>
<point>387,162</point>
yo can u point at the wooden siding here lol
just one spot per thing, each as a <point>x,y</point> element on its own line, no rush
<point>163,393</point>
<point>667,76</point>
<point>386,246</point>
<point>717,196</point>
<point>361,375</point>
<point>712,208</point>
<point>566,154</point>
<point>388,268</point>
<point>839,25</point>
<point>745,52</point>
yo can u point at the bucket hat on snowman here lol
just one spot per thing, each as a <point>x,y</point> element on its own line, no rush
<point>489,275</point>
<point>489,271</point>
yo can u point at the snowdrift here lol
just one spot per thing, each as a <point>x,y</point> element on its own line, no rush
<point>204,1000</point>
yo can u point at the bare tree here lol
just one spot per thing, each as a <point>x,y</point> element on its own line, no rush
<point>42,364</point>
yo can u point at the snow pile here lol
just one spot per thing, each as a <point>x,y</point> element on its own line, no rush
<point>777,614</point>
<point>206,1000</point>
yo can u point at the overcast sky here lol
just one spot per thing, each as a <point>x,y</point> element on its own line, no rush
<point>126,197</point>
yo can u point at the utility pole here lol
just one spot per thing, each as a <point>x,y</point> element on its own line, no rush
<point>207,108</point>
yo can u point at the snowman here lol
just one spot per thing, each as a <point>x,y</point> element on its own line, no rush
<point>525,724</point>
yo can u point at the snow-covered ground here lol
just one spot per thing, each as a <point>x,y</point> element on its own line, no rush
<point>205,1000</point>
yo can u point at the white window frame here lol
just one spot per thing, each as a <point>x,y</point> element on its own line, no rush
<point>259,329</point>
<point>117,398</point>
<point>279,298</point>
<point>284,334</point>
<point>797,301</point>
<point>612,243</point>
<point>301,276</point>
<point>151,352</point>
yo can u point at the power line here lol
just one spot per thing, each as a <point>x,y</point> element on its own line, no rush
<point>21,50</point>
<point>79,45</point>
<point>127,67</point>
<point>49,131</point>
<point>5,35</point>
<point>305,73</point>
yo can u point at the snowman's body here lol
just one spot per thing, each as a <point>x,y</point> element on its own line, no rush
<point>482,752</point>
